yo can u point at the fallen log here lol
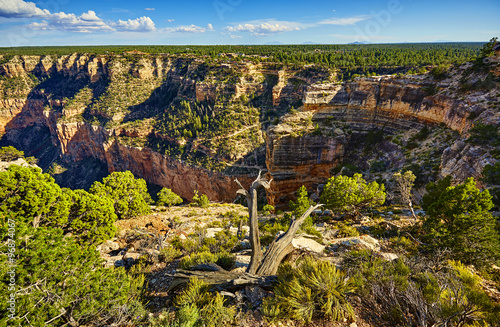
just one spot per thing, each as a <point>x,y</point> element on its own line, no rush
<point>222,280</point>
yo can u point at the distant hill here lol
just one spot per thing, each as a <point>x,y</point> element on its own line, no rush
<point>361,42</point>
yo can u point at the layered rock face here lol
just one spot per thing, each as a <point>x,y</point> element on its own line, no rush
<point>382,103</point>
<point>296,159</point>
<point>395,104</point>
<point>82,140</point>
<point>70,86</point>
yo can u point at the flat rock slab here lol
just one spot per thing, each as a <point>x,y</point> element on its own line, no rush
<point>364,241</point>
<point>307,244</point>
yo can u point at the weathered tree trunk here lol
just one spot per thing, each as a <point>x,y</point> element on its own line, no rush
<point>251,197</point>
<point>222,279</point>
<point>282,246</point>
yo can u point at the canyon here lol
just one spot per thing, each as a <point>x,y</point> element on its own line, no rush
<point>104,109</point>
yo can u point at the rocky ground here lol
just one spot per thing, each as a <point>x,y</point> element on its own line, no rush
<point>139,241</point>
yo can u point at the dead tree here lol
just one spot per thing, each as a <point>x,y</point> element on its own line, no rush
<point>261,267</point>
<point>251,196</point>
<point>281,246</point>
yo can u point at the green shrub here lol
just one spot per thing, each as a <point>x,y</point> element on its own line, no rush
<point>188,245</point>
<point>312,289</point>
<point>167,198</point>
<point>196,293</point>
<point>58,275</point>
<point>440,72</point>
<point>222,241</point>
<point>458,218</point>
<point>187,316</point>
<point>302,203</point>
<point>267,209</point>
<point>346,230</point>
<point>200,201</point>
<point>91,218</point>
<point>401,244</point>
<point>223,259</point>
<point>351,194</point>
<point>130,195</point>
<point>9,153</point>
<point>197,304</point>
<point>214,313</point>
<point>168,254</point>
<point>483,134</point>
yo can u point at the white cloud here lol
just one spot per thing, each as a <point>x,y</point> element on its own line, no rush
<point>264,28</point>
<point>234,36</point>
<point>87,22</point>
<point>21,9</point>
<point>170,20</point>
<point>343,21</point>
<point>142,24</point>
<point>149,9</point>
<point>189,29</point>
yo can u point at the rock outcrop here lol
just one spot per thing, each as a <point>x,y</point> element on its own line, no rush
<point>294,159</point>
<point>82,140</point>
<point>395,104</point>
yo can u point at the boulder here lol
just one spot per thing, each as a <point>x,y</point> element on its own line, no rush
<point>389,256</point>
<point>362,242</point>
<point>113,261</point>
<point>307,244</point>
<point>108,246</point>
<point>210,232</point>
<point>131,258</point>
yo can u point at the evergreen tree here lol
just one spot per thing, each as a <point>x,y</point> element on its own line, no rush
<point>59,282</point>
<point>302,203</point>
<point>91,217</point>
<point>32,196</point>
<point>458,218</point>
<point>167,198</point>
<point>130,195</point>
<point>350,194</point>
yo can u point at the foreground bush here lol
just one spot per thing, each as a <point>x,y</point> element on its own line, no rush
<point>223,259</point>
<point>59,282</point>
<point>197,305</point>
<point>34,198</point>
<point>312,289</point>
<point>420,292</point>
<point>459,219</point>
<point>167,198</point>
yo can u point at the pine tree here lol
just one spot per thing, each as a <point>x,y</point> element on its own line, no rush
<point>351,194</point>
<point>458,218</point>
<point>167,198</point>
<point>130,195</point>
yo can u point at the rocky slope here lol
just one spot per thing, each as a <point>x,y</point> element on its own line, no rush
<point>190,123</point>
<point>337,121</point>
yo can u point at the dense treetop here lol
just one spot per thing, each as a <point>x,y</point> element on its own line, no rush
<point>335,55</point>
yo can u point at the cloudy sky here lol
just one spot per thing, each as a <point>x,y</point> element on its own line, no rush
<point>95,22</point>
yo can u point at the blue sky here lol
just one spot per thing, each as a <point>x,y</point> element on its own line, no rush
<point>96,22</point>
